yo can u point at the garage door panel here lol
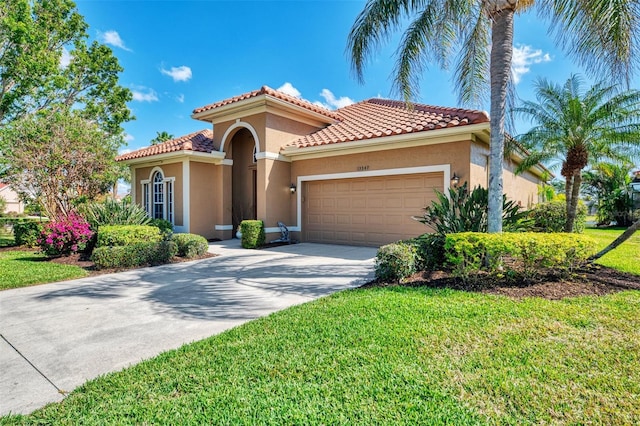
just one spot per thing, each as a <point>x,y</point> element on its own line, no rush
<point>367,211</point>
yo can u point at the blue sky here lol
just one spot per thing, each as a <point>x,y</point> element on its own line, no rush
<point>180,55</point>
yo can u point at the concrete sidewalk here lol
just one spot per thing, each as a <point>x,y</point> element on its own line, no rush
<point>76,330</point>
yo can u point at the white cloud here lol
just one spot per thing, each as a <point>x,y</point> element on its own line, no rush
<point>113,38</point>
<point>289,90</point>
<point>180,98</point>
<point>144,94</point>
<point>124,188</point>
<point>128,137</point>
<point>331,102</point>
<point>123,151</point>
<point>65,59</point>
<point>182,73</point>
<point>523,57</point>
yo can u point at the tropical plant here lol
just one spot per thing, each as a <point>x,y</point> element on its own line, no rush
<point>601,35</point>
<point>466,211</point>
<point>609,184</point>
<point>579,128</point>
<point>114,212</point>
<point>161,137</point>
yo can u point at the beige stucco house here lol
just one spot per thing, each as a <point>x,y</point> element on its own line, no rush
<point>355,175</point>
<point>13,202</point>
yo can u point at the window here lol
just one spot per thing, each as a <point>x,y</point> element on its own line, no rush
<point>157,196</point>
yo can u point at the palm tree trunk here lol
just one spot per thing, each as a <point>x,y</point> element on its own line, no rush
<point>621,239</point>
<point>500,68</point>
<point>572,203</point>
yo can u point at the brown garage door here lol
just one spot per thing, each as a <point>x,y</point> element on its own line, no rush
<point>367,211</point>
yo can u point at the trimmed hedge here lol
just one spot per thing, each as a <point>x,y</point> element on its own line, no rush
<point>162,224</point>
<point>252,233</point>
<point>139,254</point>
<point>124,235</point>
<point>552,216</point>
<point>395,261</point>
<point>190,245</point>
<point>518,255</point>
<point>27,231</point>
<point>429,251</point>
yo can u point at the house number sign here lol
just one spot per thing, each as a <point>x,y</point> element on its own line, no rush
<point>363,168</point>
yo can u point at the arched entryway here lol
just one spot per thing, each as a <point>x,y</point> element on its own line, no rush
<point>241,148</point>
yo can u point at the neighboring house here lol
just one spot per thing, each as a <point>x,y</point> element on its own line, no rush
<point>11,197</point>
<point>351,176</point>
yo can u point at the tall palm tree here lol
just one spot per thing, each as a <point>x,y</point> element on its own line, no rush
<point>580,128</point>
<point>601,35</point>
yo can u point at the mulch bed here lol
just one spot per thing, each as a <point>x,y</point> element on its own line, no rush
<point>592,280</point>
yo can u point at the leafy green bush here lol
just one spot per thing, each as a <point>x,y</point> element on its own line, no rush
<point>395,261</point>
<point>138,254</point>
<point>464,211</point>
<point>552,216</point>
<point>124,235</point>
<point>252,233</point>
<point>429,251</point>
<point>162,224</point>
<point>190,245</point>
<point>27,231</point>
<point>520,255</point>
<point>114,212</point>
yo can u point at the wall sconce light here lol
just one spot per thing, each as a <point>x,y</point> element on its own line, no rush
<point>292,188</point>
<point>455,180</point>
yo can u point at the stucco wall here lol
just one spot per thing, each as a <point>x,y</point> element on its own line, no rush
<point>203,199</point>
<point>13,203</point>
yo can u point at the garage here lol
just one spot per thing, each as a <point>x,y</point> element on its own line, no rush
<point>367,211</point>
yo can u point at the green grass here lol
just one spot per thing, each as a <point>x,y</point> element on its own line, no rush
<point>624,258</point>
<point>23,268</point>
<point>388,356</point>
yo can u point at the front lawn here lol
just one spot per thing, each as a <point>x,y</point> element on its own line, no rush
<point>24,268</point>
<point>389,356</point>
<point>626,257</point>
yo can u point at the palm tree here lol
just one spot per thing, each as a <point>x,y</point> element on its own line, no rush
<point>601,35</point>
<point>161,137</point>
<point>580,128</point>
<point>609,184</point>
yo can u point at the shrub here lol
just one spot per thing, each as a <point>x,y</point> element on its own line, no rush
<point>190,245</point>
<point>429,251</point>
<point>65,236</point>
<point>139,254</point>
<point>163,225</point>
<point>252,233</point>
<point>552,216</point>
<point>26,232</point>
<point>464,211</point>
<point>395,261</point>
<point>124,235</point>
<point>114,212</point>
<point>519,255</point>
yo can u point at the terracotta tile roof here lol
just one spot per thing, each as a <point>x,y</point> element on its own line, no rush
<point>266,90</point>
<point>376,118</point>
<point>200,141</point>
<point>3,185</point>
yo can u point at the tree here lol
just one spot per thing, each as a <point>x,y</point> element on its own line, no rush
<point>580,128</point>
<point>601,35</point>
<point>34,34</point>
<point>58,156</point>
<point>161,137</point>
<point>609,184</point>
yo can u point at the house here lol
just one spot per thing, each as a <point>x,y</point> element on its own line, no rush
<point>13,202</point>
<point>355,175</point>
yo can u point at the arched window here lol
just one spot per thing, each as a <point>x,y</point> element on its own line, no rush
<point>157,196</point>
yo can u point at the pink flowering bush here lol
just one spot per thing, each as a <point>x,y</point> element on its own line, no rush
<point>65,235</point>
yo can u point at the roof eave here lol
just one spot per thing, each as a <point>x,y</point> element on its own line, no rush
<point>215,157</point>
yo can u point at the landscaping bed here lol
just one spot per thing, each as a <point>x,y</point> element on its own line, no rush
<point>591,280</point>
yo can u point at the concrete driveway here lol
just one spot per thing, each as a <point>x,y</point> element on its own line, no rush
<point>56,336</point>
